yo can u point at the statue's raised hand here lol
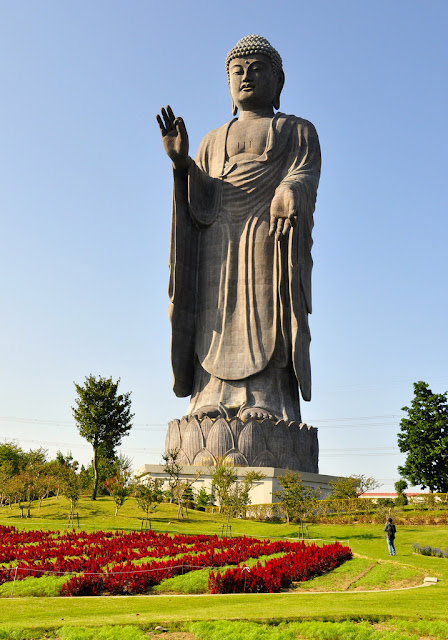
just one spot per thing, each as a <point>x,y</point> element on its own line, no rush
<point>174,137</point>
<point>284,207</point>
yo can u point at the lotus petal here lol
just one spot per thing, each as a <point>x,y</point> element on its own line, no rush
<point>204,459</point>
<point>192,439</point>
<point>280,442</point>
<point>265,459</point>
<point>220,439</point>
<point>251,441</point>
<point>172,440</point>
<point>236,426</point>
<point>236,458</point>
<point>206,425</point>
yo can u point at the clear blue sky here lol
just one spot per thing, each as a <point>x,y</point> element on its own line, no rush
<point>85,193</point>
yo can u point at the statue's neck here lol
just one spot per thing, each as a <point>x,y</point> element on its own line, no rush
<point>253,114</point>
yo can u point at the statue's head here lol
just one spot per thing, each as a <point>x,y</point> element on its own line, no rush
<point>254,55</point>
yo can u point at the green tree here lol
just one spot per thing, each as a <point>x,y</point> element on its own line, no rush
<point>149,494</point>
<point>71,489</point>
<point>173,470</point>
<point>58,468</point>
<point>103,417</point>
<point>424,438</point>
<point>10,464</point>
<point>233,495</point>
<point>296,499</point>
<point>351,487</point>
<point>400,486</point>
<point>203,499</point>
<point>120,485</point>
<point>223,476</point>
<point>11,455</point>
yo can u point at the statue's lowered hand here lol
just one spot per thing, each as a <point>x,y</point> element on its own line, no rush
<point>283,210</point>
<point>174,137</point>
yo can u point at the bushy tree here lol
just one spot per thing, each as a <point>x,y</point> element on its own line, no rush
<point>59,467</point>
<point>203,499</point>
<point>223,476</point>
<point>424,438</point>
<point>120,485</point>
<point>173,469</point>
<point>351,487</point>
<point>11,455</point>
<point>10,464</point>
<point>149,494</point>
<point>400,486</point>
<point>24,475</point>
<point>71,489</point>
<point>296,499</point>
<point>103,417</point>
<point>232,494</point>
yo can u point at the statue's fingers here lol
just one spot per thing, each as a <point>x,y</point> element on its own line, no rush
<point>171,114</point>
<point>292,219</point>
<point>278,233</point>
<point>161,125</point>
<point>166,119</point>
<point>273,226</point>
<point>180,126</point>
<point>286,226</point>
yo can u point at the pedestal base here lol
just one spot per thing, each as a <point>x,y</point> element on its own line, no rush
<point>263,492</point>
<point>253,443</point>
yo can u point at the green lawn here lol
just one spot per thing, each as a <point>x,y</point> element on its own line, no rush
<point>372,568</point>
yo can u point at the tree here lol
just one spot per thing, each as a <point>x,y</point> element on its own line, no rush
<point>296,499</point>
<point>232,495</point>
<point>59,466</point>
<point>223,476</point>
<point>401,500</point>
<point>424,437</point>
<point>352,487</point>
<point>103,417</point>
<point>120,485</point>
<point>173,469</point>
<point>20,474</point>
<point>11,455</point>
<point>71,489</point>
<point>203,499</point>
<point>149,494</point>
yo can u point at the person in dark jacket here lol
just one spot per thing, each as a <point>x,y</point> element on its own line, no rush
<point>390,536</point>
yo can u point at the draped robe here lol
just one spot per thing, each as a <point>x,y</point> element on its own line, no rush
<point>239,299</point>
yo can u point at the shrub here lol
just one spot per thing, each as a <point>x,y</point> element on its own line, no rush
<point>430,551</point>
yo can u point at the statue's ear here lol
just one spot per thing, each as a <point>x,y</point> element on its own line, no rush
<point>234,109</point>
<point>280,83</point>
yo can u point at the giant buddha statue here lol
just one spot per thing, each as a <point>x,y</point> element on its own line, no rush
<point>240,272</point>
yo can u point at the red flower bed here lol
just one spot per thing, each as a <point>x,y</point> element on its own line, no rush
<point>279,573</point>
<point>106,562</point>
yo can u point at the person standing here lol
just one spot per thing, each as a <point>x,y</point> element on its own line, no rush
<point>390,530</point>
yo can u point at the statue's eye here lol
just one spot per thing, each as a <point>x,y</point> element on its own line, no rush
<point>237,70</point>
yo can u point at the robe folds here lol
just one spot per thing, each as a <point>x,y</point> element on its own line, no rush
<point>238,299</point>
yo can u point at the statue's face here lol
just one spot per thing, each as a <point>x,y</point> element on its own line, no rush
<point>252,82</point>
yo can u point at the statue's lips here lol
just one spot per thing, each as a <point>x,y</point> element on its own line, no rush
<point>247,87</point>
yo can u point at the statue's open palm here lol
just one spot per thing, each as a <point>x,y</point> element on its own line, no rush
<point>174,137</point>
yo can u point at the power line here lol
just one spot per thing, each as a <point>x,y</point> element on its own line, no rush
<point>353,451</point>
<point>321,423</point>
